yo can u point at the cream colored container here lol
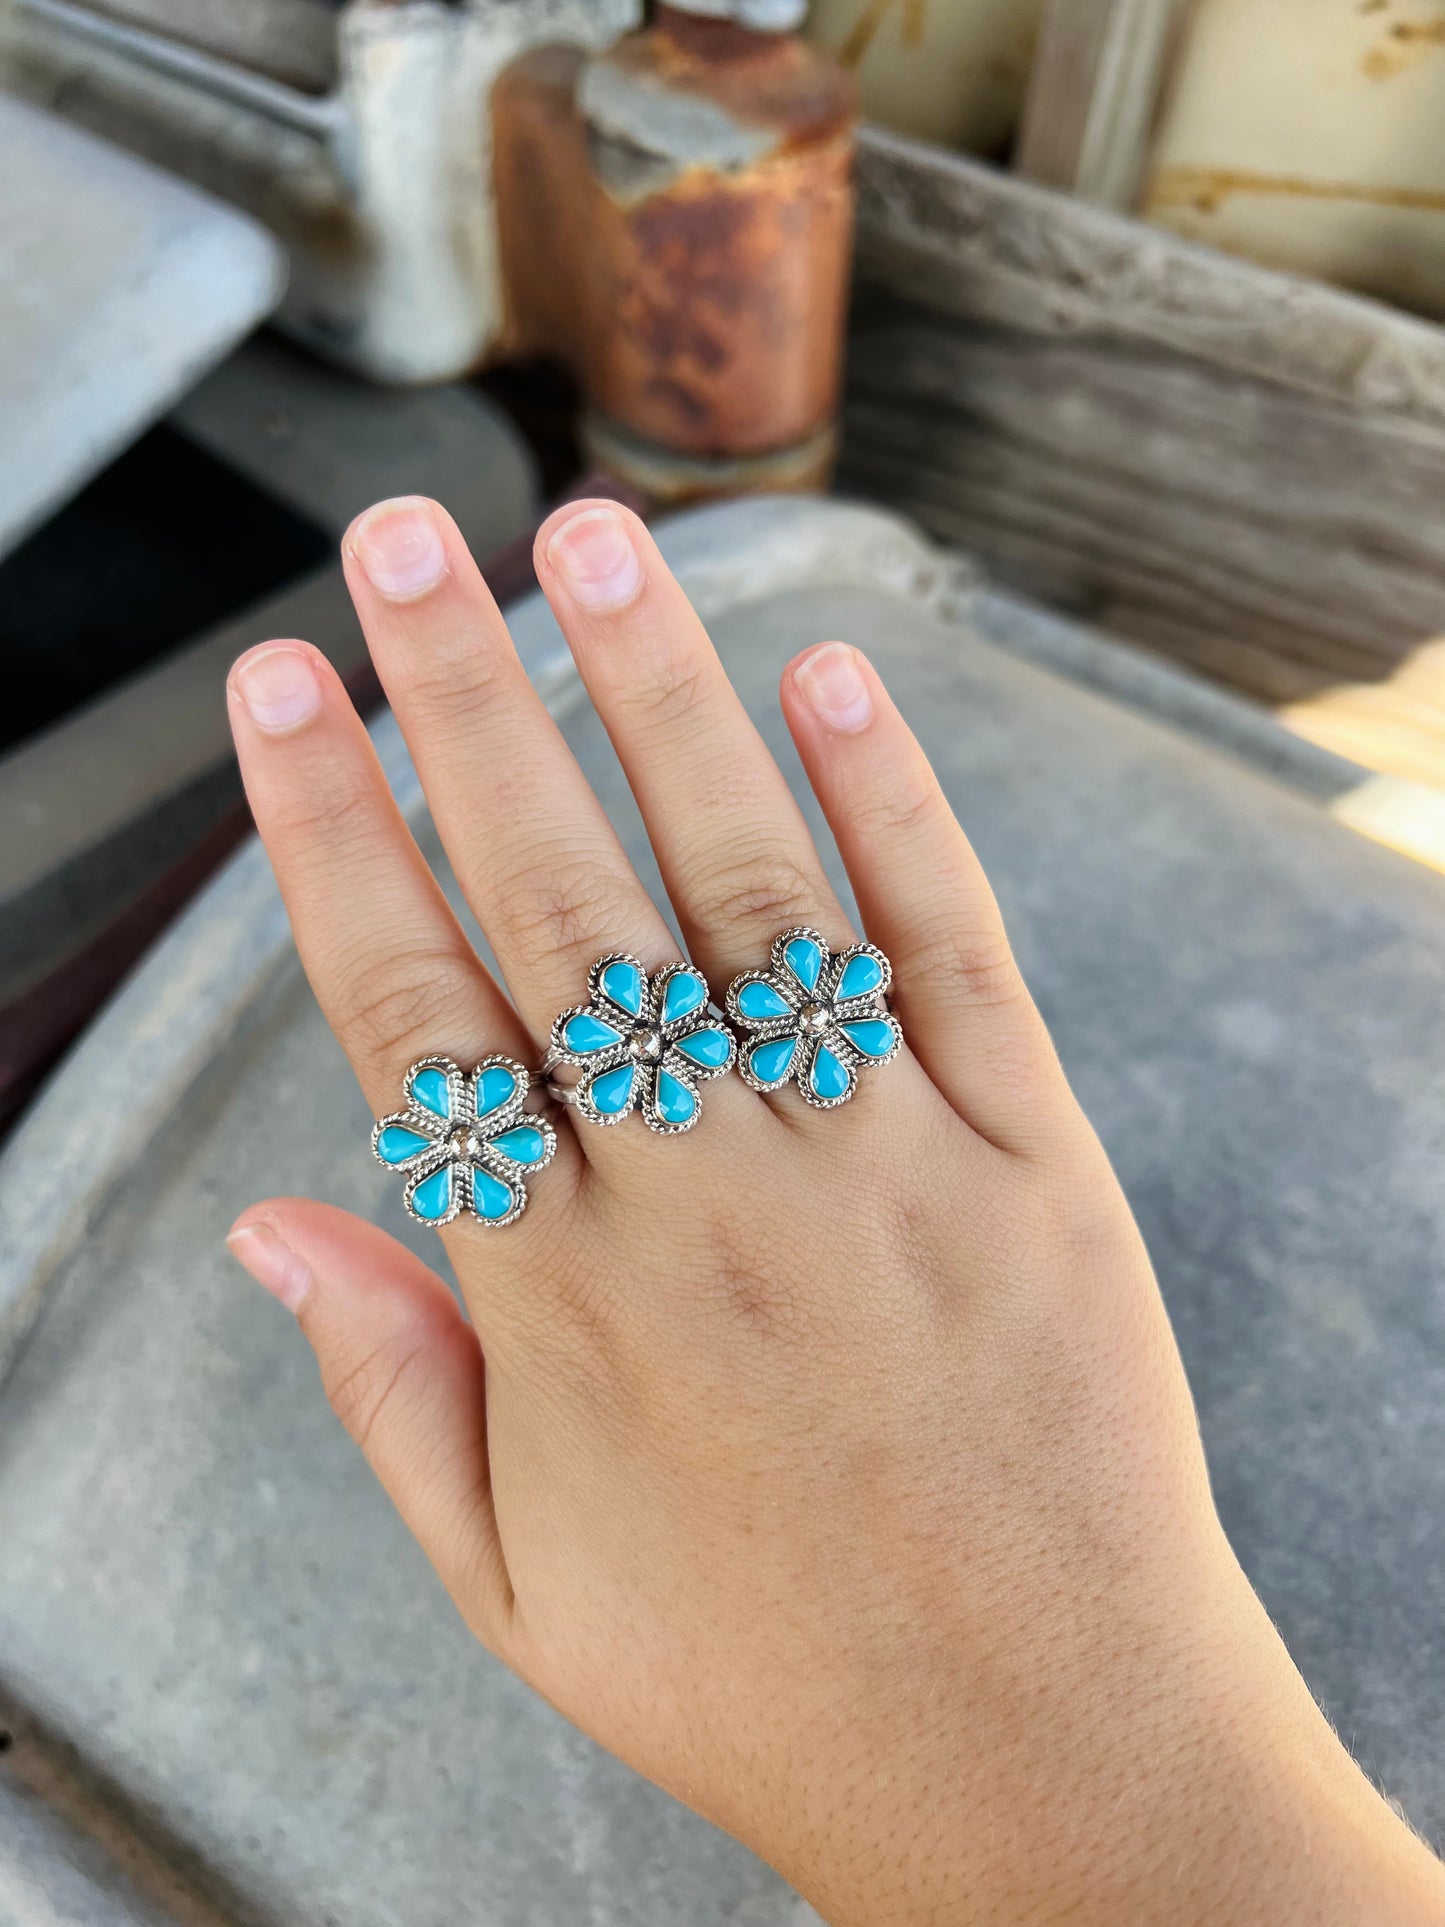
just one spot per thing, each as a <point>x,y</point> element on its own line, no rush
<point>951,71</point>
<point>1310,134</point>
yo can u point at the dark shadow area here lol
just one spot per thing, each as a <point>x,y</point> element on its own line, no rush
<point>163,544</point>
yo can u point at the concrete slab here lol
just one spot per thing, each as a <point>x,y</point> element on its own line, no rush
<point>202,1591</point>
<point>119,286</point>
<point>53,1876</point>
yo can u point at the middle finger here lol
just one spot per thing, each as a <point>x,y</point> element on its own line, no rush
<point>532,848</point>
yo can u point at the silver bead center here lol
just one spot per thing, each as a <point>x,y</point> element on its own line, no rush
<point>462,1144</point>
<point>646,1044</point>
<point>815,1018</point>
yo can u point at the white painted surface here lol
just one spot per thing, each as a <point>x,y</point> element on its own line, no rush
<point>119,287</point>
<point>953,71</point>
<point>1307,134</point>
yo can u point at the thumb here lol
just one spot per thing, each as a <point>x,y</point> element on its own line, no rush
<point>404,1373</point>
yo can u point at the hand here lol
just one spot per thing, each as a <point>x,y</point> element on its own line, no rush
<point>834,1468</point>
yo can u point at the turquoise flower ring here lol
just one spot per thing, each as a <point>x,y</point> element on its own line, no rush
<point>464,1142</point>
<point>814,1017</point>
<point>640,1043</point>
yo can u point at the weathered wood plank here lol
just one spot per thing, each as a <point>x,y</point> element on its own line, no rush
<point>965,240</point>
<point>1093,91</point>
<point>1240,470</point>
<point>1278,540</point>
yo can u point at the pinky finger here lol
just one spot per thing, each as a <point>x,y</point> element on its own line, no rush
<point>404,1373</point>
<point>925,900</point>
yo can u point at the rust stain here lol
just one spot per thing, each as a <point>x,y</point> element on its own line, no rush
<point>1405,45</point>
<point>863,33</point>
<point>865,29</point>
<point>1205,189</point>
<point>701,307</point>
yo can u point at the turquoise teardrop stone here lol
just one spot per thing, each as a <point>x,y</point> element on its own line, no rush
<point>433,1197</point>
<point>759,1001</point>
<point>872,1036</point>
<point>584,1033</point>
<point>805,960</point>
<point>396,1144</point>
<point>525,1145</point>
<point>829,1077</point>
<point>494,1087</point>
<point>684,992</point>
<point>624,985</point>
<point>612,1090</point>
<point>706,1047</point>
<point>490,1197</point>
<point>429,1088</point>
<point>773,1060</point>
<point>860,975</point>
<point>675,1102</point>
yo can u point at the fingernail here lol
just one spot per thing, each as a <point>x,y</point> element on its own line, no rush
<point>400,548</point>
<point>593,554</point>
<point>271,1262</point>
<point>280,689</point>
<point>832,685</point>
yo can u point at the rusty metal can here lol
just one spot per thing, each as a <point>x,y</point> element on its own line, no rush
<point>676,220</point>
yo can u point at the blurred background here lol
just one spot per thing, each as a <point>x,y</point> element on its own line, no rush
<point>1086,355</point>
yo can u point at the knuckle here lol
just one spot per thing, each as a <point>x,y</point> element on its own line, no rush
<point>975,966</point>
<point>768,888</point>
<point>670,695</point>
<point>395,1006</point>
<point>562,906</point>
<point>897,811</point>
<point>334,813</point>
<point>453,680</point>
<point>746,1286</point>
<point>364,1390</point>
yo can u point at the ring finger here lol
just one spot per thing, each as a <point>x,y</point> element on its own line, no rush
<point>736,856</point>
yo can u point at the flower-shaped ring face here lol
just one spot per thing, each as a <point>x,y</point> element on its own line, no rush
<point>464,1143</point>
<point>642,1044</point>
<point>814,1017</point>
